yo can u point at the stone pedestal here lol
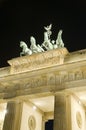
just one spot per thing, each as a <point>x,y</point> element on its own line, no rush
<point>62,112</point>
<point>13,116</point>
<point>38,61</point>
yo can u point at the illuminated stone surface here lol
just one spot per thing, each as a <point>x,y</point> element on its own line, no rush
<point>53,81</point>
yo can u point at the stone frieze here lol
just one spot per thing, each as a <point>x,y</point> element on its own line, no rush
<point>38,61</point>
<point>54,79</point>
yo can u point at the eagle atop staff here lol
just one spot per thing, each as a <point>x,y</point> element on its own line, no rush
<point>48,29</point>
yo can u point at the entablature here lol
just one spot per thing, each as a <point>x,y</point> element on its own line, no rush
<point>59,72</point>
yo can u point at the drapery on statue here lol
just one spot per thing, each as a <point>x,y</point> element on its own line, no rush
<point>47,41</point>
<point>47,44</point>
<point>25,49</point>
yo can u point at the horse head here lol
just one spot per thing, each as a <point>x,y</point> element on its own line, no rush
<point>23,44</point>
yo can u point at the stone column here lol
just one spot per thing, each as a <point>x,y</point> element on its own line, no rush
<point>62,112</point>
<point>13,116</point>
<point>44,120</point>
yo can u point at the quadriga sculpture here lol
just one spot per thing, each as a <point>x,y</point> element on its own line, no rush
<point>47,44</point>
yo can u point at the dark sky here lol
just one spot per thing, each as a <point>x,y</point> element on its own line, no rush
<point>19,19</point>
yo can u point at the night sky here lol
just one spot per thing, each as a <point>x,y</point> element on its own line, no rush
<point>20,19</point>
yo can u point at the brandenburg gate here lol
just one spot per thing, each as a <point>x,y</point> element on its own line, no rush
<point>43,86</point>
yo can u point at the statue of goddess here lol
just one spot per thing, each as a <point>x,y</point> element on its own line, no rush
<point>47,42</point>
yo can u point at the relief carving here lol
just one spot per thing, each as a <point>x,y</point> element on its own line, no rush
<point>36,82</point>
<point>79,119</point>
<point>32,122</point>
<point>54,79</point>
<point>51,79</point>
<point>71,76</point>
<point>84,74</point>
<point>78,75</point>
<point>64,78</point>
<point>57,77</point>
<point>39,60</point>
